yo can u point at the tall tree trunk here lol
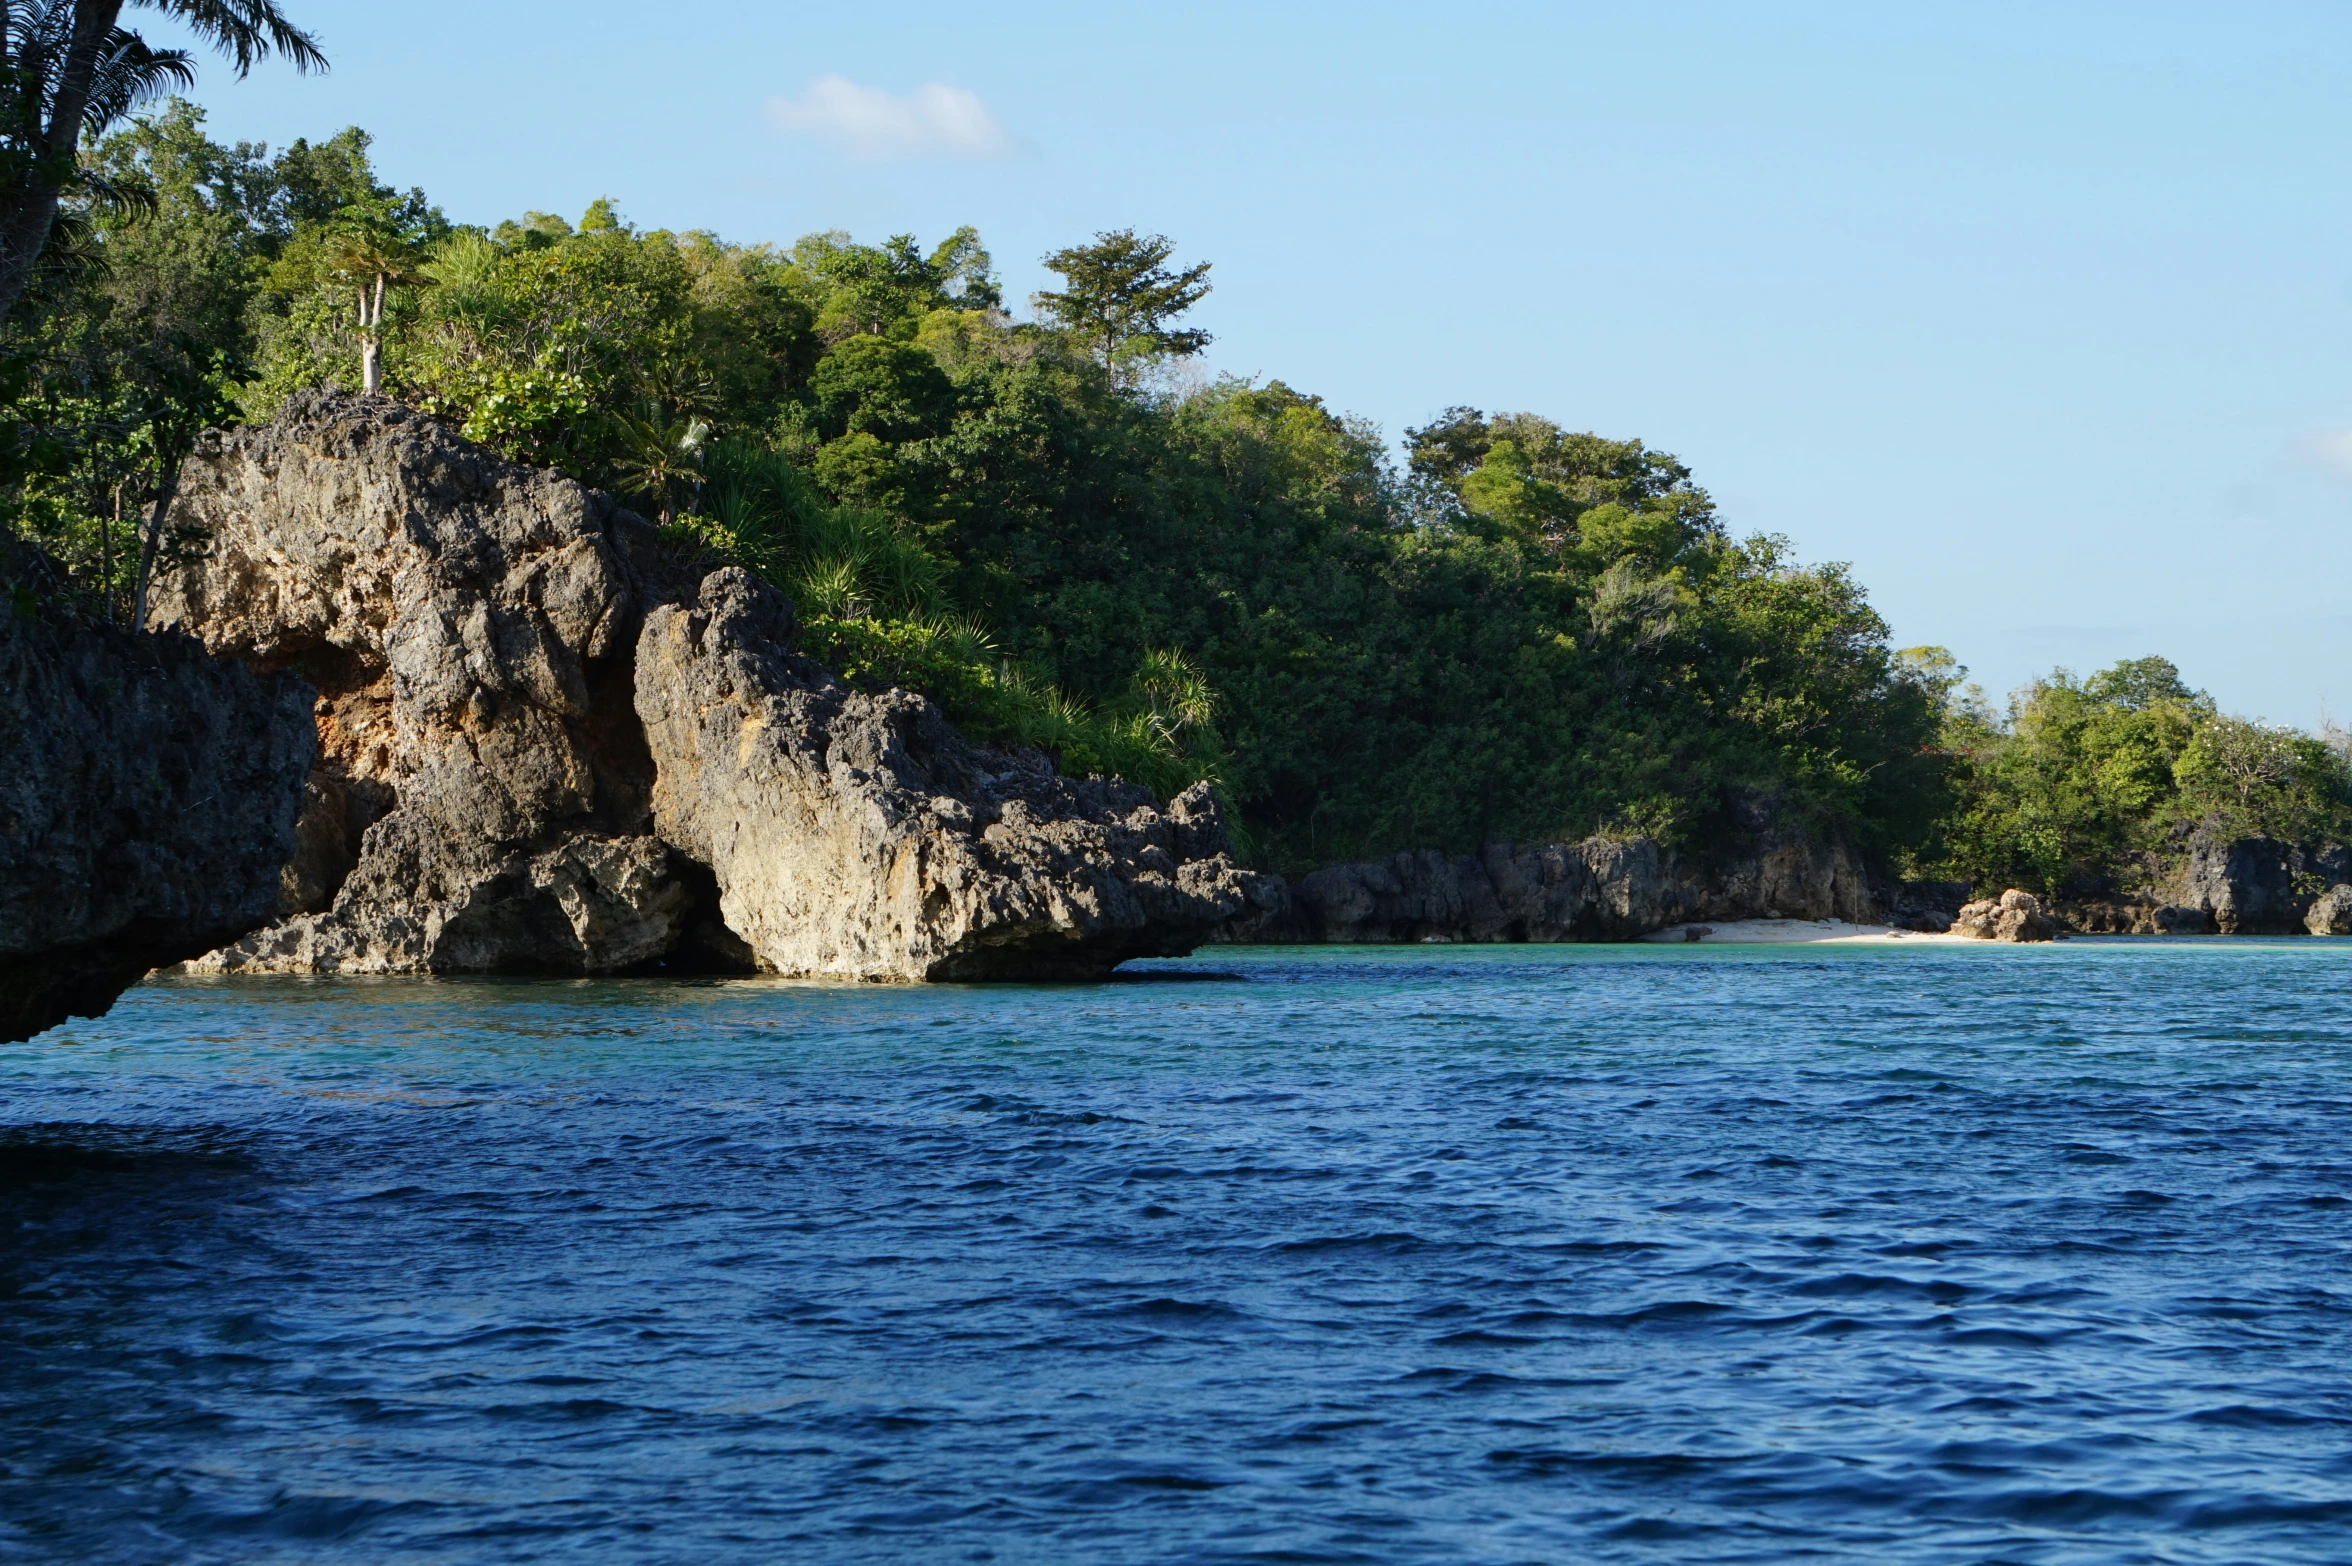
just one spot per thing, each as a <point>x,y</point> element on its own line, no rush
<point>28,201</point>
<point>106,552</point>
<point>167,490</point>
<point>371,338</point>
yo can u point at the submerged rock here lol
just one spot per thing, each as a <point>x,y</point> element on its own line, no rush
<point>148,797</point>
<point>859,835</point>
<point>479,803</point>
<point>2013,916</point>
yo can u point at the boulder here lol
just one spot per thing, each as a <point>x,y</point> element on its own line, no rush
<point>1929,907</point>
<point>2013,916</point>
<point>148,803</point>
<point>2331,912</point>
<point>2179,919</point>
<point>480,798</point>
<point>859,835</point>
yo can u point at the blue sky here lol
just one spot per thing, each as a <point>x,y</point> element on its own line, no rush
<point>2038,315</point>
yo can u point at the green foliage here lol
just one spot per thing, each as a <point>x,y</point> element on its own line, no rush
<point>877,611</point>
<point>2085,785</point>
<point>1119,299</point>
<point>1526,632</point>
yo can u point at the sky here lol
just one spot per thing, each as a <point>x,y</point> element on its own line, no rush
<point>2037,315</point>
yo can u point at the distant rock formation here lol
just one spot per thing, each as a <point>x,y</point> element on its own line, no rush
<point>486,798</point>
<point>148,798</point>
<point>2218,884</point>
<point>2012,916</point>
<point>859,834</point>
<point>2330,912</point>
<point>1601,889</point>
<point>2246,885</point>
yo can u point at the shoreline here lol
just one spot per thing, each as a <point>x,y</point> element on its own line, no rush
<point>1798,932</point>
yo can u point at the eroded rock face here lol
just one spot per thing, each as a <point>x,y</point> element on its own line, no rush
<point>858,835</point>
<point>148,798</point>
<point>480,802</point>
<point>2245,885</point>
<point>2330,912</point>
<point>1602,889</point>
<point>2013,916</point>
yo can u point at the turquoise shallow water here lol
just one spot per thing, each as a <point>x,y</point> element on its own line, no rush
<point>1905,1254</point>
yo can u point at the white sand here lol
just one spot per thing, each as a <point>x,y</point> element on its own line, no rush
<point>1778,932</point>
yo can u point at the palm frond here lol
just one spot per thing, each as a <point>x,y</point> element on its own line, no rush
<point>129,72</point>
<point>247,31</point>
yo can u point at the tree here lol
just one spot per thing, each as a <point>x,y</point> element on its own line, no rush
<point>66,66</point>
<point>1119,298</point>
<point>371,248</point>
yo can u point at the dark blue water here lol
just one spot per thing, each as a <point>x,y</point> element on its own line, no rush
<point>1524,1254</point>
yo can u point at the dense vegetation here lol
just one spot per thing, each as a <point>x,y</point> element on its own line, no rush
<point>2089,787</point>
<point>1057,531</point>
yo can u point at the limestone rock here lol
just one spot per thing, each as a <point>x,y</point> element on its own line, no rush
<point>2245,885</point>
<point>1929,907</point>
<point>2013,916</point>
<point>2331,912</point>
<point>2179,919</point>
<point>148,798</point>
<point>1601,889</point>
<point>858,835</point>
<point>479,803</point>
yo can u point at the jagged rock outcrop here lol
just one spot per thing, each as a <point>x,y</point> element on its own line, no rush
<point>2330,912</point>
<point>859,835</point>
<point>148,798</point>
<point>2012,916</point>
<point>485,798</point>
<point>480,802</point>
<point>2245,886</point>
<point>1602,889</point>
<point>2212,883</point>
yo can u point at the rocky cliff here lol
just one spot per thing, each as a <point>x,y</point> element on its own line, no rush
<point>855,833</point>
<point>479,803</point>
<point>148,799</point>
<point>546,745</point>
<point>1602,889</point>
<point>2225,885</point>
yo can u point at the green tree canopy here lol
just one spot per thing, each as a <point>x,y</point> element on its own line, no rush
<point>1119,297</point>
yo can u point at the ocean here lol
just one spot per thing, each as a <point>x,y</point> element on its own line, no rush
<point>1439,1254</point>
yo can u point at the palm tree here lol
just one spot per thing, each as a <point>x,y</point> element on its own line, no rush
<point>67,66</point>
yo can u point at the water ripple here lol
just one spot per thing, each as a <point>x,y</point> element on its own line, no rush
<point>1392,1255</point>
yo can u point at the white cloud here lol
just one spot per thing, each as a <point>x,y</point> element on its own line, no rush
<point>933,121</point>
<point>2327,450</point>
